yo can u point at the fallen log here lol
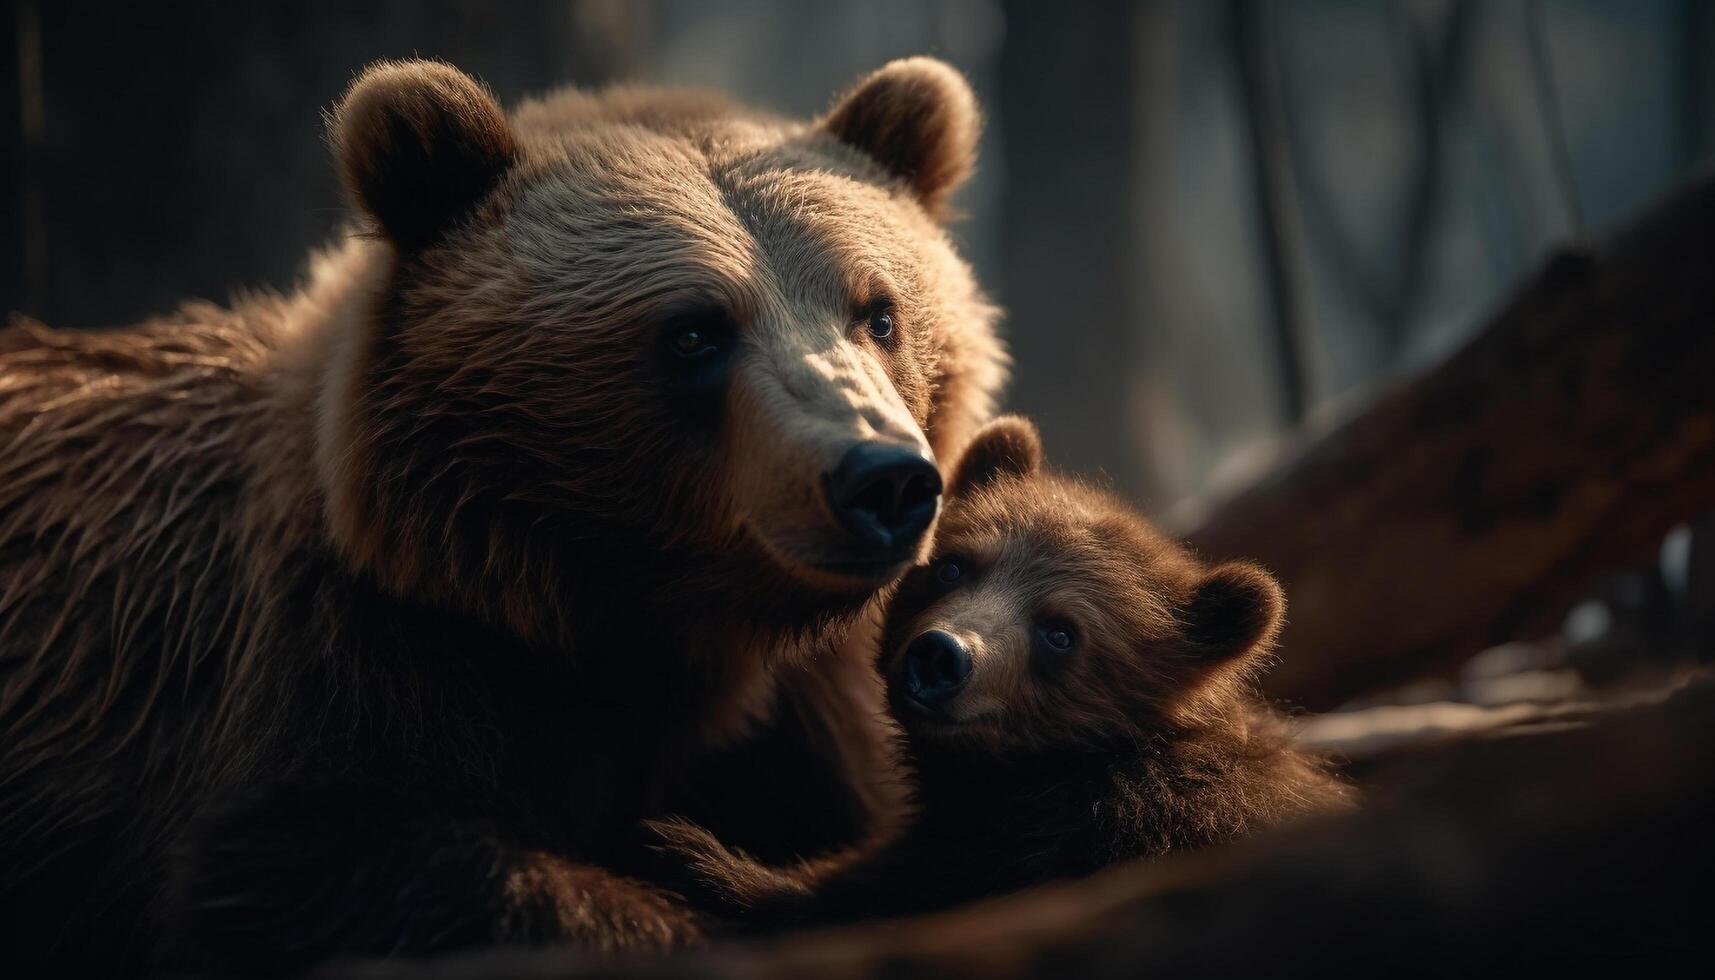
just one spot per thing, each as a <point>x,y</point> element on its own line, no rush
<point>1479,501</point>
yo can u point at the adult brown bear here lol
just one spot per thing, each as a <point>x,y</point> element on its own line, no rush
<point>372,618</point>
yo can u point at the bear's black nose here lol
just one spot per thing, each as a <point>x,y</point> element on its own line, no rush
<point>937,665</point>
<point>885,494</point>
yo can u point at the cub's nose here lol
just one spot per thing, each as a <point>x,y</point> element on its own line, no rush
<point>937,665</point>
<point>885,494</point>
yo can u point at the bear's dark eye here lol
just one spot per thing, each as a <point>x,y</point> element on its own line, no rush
<point>948,571</point>
<point>881,324</point>
<point>696,349</point>
<point>1057,637</point>
<point>695,332</point>
<point>690,341</point>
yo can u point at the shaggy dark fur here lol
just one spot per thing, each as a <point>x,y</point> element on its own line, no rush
<point>1140,740</point>
<point>374,618</point>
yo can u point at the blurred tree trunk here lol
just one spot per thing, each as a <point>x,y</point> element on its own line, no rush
<point>1070,254</point>
<point>1480,501</point>
<point>1257,66</point>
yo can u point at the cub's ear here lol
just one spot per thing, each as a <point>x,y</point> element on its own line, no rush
<point>1007,446</point>
<point>1237,608</point>
<point>419,144</point>
<point>918,118</point>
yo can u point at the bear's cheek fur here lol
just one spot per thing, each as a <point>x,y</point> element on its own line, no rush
<point>572,416</point>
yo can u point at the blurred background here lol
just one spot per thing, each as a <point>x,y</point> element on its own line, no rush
<point>1208,221</point>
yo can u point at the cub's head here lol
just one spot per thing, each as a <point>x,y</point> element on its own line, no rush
<point>673,344</point>
<point>1052,616</point>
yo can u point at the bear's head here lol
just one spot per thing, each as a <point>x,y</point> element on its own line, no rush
<point>648,344</point>
<point>1054,617</point>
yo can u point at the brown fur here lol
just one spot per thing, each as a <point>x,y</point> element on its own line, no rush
<point>427,554</point>
<point>920,122</point>
<point>418,146</point>
<point>1143,739</point>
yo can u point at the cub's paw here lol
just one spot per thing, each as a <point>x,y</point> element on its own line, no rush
<point>720,878</point>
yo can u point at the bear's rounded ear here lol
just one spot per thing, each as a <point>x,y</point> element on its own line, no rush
<point>1007,446</point>
<point>419,144</point>
<point>1236,608</point>
<point>918,118</point>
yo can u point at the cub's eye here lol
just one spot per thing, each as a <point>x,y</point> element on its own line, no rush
<point>691,341</point>
<point>948,571</point>
<point>881,324</point>
<point>1056,637</point>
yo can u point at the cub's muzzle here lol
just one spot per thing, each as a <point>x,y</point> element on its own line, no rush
<point>936,667</point>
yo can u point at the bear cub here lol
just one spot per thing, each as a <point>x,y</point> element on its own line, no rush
<point>1074,689</point>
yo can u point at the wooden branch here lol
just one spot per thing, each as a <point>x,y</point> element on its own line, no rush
<point>1548,850</point>
<point>1478,502</point>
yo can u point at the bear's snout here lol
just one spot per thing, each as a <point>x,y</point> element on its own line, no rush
<point>937,666</point>
<point>885,495</point>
